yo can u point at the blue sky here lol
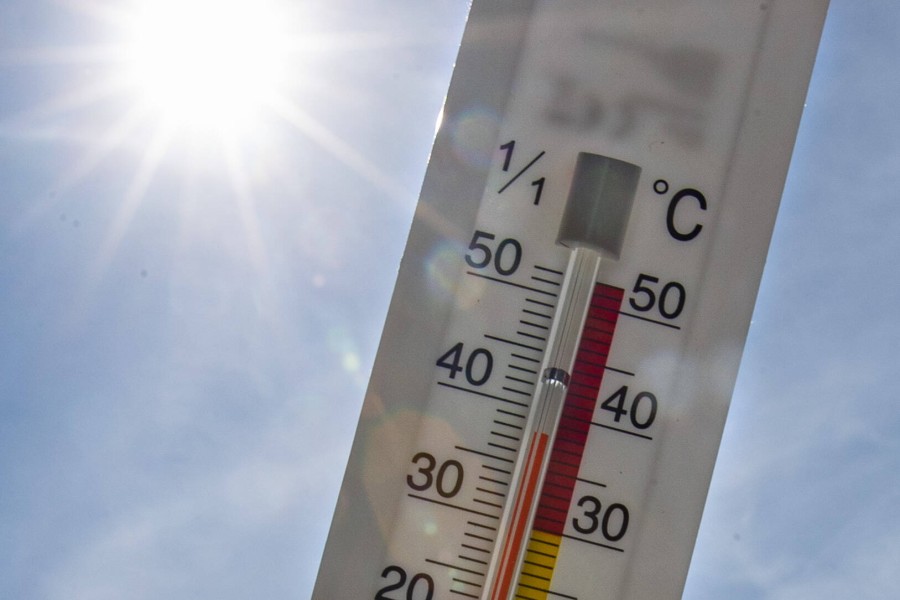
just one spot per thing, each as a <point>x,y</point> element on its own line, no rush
<point>189,316</point>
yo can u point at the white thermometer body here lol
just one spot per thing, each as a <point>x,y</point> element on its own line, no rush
<point>555,371</point>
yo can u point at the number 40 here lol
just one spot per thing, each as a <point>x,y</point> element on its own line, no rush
<point>641,410</point>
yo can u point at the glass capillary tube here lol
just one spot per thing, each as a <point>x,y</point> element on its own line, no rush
<point>528,476</point>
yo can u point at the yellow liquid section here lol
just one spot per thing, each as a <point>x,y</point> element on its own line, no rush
<point>537,570</point>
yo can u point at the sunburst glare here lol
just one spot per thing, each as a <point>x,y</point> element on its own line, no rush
<point>201,91</point>
<point>206,64</point>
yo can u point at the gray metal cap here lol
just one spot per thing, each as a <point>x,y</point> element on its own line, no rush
<point>599,204</point>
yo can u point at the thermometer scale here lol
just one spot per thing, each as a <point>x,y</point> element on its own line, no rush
<point>553,379</point>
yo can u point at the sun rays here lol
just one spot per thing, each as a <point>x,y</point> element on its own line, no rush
<point>195,86</point>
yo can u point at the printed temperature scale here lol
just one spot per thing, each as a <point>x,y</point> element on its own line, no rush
<point>550,390</point>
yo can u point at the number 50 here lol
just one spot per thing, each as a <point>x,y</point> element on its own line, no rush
<point>669,301</point>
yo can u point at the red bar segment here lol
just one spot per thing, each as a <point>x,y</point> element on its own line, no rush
<point>557,479</point>
<point>580,402</point>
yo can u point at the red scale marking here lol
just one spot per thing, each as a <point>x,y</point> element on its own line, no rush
<point>584,371</point>
<point>580,402</point>
<point>575,437</point>
<point>565,469</point>
<point>611,301</point>
<point>544,523</point>
<point>556,503</point>
<point>574,420</point>
<point>580,397</point>
<point>556,478</point>
<point>553,502</point>
<point>598,330</point>
<point>573,417</point>
<point>595,349</point>
<point>571,450</point>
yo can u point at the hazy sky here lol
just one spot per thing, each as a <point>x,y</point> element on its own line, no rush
<point>191,297</point>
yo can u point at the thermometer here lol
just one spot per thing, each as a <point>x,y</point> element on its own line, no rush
<point>556,366</point>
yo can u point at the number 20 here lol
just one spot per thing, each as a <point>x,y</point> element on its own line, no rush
<point>414,581</point>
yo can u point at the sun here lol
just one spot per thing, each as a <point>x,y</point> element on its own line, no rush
<point>205,65</point>
<point>195,91</point>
